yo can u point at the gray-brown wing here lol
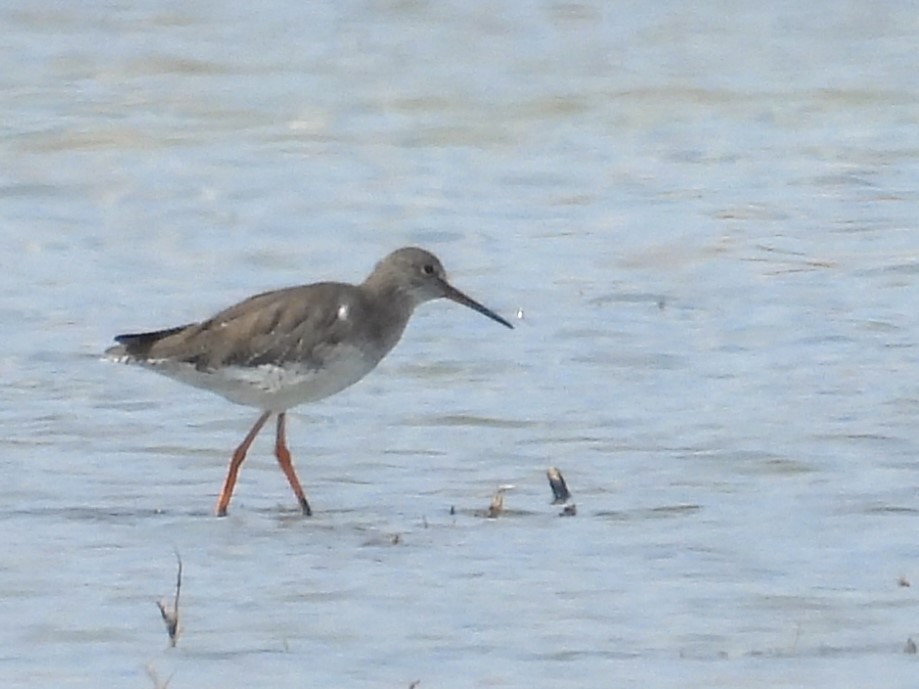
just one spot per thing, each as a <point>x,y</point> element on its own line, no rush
<point>298,324</point>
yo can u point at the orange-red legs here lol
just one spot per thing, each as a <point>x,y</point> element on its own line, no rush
<point>287,466</point>
<point>280,451</point>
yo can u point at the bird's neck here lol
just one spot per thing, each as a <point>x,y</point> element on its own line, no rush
<point>393,307</point>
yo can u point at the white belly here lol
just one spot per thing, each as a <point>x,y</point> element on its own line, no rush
<point>270,387</point>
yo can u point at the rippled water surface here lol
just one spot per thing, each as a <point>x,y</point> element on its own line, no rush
<point>702,219</point>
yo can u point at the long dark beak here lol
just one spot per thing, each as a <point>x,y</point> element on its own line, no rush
<point>453,294</point>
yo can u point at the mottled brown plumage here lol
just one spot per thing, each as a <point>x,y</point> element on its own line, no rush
<point>295,324</point>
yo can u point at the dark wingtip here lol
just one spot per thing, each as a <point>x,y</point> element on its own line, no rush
<point>138,344</point>
<point>127,339</point>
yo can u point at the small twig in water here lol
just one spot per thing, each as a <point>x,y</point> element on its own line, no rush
<point>171,613</point>
<point>496,508</point>
<point>560,493</point>
<point>497,505</point>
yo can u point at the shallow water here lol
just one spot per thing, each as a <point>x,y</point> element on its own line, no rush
<point>706,220</point>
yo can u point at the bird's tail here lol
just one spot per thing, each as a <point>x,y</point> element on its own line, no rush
<point>137,345</point>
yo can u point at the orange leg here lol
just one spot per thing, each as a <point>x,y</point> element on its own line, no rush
<point>283,455</point>
<point>224,500</point>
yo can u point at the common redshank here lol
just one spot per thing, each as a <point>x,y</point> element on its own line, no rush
<point>283,348</point>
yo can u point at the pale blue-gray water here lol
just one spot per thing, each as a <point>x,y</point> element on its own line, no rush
<point>701,218</point>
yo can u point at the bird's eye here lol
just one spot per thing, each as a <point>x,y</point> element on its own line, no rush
<point>428,269</point>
